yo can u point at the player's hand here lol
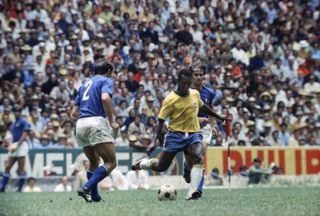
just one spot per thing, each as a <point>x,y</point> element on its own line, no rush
<point>12,148</point>
<point>203,120</point>
<point>114,125</point>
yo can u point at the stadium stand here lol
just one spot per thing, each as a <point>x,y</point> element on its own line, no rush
<point>261,58</point>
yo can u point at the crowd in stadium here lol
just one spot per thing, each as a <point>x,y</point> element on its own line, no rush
<point>262,58</point>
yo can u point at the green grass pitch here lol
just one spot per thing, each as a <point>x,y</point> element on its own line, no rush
<point>251,201</point>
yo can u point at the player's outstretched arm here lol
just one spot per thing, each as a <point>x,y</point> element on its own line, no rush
<point>207,110</point>
<point>107,106</point>
<point>159,127</point>
<point>74,113</point>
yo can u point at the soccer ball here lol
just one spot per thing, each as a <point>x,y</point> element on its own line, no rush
<point>167,192</point>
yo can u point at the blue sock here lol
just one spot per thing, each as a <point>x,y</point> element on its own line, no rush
<point>201,183</point>
<point>4,182</point>
<point>22,179</point>
<point>94,191</point>
<point>100,173</point>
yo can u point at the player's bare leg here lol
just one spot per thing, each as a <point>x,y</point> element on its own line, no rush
<point>187,165</point>
<point>158,165</point>
<point>196,154</point>
<point>21,172</point>
<point>94,163</point>
<point>107,152</point>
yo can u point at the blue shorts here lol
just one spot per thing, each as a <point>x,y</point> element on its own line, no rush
<point>178,141</point>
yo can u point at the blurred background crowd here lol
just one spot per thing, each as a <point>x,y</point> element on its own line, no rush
<point>262,58</point>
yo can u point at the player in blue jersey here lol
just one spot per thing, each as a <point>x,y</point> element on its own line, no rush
<point>96,126</point>
<point>18,150</point>
<point>207,95</point>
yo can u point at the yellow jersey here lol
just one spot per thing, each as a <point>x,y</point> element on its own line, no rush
<point>182,111</point>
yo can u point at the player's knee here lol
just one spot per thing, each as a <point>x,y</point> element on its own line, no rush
<point>111,165</point>
<point>197,158</point>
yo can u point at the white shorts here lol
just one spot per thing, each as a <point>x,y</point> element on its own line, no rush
<point>206,132</point>
<point>22,151</point>
<point>93,130</point>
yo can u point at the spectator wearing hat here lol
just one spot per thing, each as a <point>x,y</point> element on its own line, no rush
<point>127,7</point>
<point>122,140</point>
<point>265,99</point>
<point>256,173</point>
<point>44,142</point>
<point>106,14</point>
<point>294,137</point>
<point>40,50</point>
<point>35,123</point>
<point>149,101</point>
<point>146,141</point>
<point>140,72</point>
<point>55,128</point>
<point>134,142</point>
<point>62,141</point>
<point>28,60</point>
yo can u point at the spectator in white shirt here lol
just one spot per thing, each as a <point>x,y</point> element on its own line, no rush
<point>64,186</point>
<point>31,186</point>
<point>138,179</point>
<point>312,85</point>
<point>115,181</point>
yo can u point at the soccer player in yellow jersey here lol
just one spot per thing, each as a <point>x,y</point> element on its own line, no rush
<point>181,106</point>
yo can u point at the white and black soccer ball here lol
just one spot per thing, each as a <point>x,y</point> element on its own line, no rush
<point>167,192</point>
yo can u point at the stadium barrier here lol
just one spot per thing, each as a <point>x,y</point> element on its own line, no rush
<point>63,161</point>
<point>291,160</point>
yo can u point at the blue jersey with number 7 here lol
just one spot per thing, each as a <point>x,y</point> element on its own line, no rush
<point>89,96</point>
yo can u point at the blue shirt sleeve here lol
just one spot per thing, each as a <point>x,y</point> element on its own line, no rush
<point>26,126</point>
<point>77,101</point>
<point>107,87</point>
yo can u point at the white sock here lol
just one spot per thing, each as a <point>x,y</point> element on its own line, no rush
<point>147,163</point>
<point>196,176</point>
